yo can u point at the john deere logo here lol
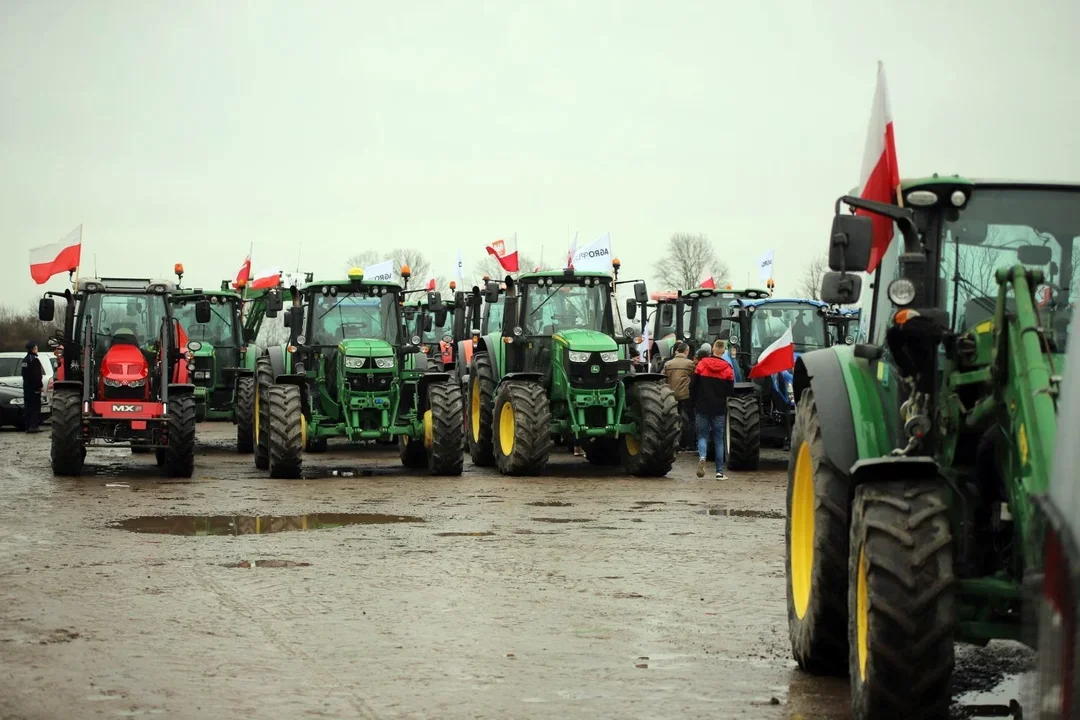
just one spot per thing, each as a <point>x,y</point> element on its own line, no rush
<point>595,369</point>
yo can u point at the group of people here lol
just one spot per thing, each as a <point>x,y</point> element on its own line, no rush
<point>702,386</point>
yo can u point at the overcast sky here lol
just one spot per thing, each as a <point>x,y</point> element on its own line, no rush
<point>183,131</point>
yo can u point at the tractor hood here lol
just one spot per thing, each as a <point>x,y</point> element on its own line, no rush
<point>362,347</point>
<point>206,350</point>
<point>585,340</point>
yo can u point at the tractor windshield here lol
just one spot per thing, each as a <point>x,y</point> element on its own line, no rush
<point>221,331</point>
<point>348,316</point>
<point>701,306</point>
<point>133,317</point>
<point>772,320</point>
<point>999,228</point>
<point>550,308</point>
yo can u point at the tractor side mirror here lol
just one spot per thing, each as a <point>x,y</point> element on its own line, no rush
<point>46,309</point>
<point>287,320</point>
<point>440,316</point>
<point>1034,254</point>
<point>510,314</point>
<point>491,292</point>
<point>274,304</point>
<point>716,319</point>
<point>434,300</point>
<point>294,320</point>
<point>202,311</point>
<point>842,288</point>
<point>641,293</point>
<point>850,242</point>
<point>667,315</point>
<point>631,308</point>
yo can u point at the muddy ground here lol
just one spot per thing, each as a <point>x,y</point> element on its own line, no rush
<point>578,594</point>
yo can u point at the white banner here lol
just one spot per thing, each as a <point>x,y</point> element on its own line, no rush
<point>460,271</point>
<point>765,265</point>
<point>380,272</point>
<point>596,256</point>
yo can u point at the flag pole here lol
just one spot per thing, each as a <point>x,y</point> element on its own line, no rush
<point>75,283</point>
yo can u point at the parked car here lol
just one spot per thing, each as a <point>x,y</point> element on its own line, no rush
<point>11,398</point>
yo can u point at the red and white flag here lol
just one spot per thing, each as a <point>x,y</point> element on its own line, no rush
<point>505,254</point>
<point>776,358</point>
<point>430,285</point>
<point>880,174</point>
<point>571,252</point>
<point>57,257</point>
<point>244,274</point>
<point>709,283</point>
<point>266,278</point>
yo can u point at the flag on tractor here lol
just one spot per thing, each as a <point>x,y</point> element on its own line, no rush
<point>594,257</point>
<point>57,257</point>
<point>266,278</point>
<point>571,252</point>
<point>430,285</point>
<point>244,274</point>
<point>709,283</point>
<point>765,265</point>
<point>505,253</point>
<point>776,358</point>
<point>880,176</point>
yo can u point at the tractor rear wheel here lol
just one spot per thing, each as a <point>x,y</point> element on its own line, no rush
<point>900,601</point>
<point>264,378</point>
<point>68,451</point>
<point>287,431</point>
<point>602,451</point>
<point>245,414</point>
<point>523,428</point>
<point>651,452</point>
<point>816,548</point>
<point>742,432</point>
<point>442,429</point>
<point>481,409</point>
<point>180,450</point>
<point>413,454</point>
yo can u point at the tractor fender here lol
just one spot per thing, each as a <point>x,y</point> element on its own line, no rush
<point>820,371</point>
<point>276,354</point>
<point>67,385</point>
<point>299,381</point>
<point>893,468</point>
<point>532,376</point>
<point>428,378</point>
<point>745,388</point>
<point>181,389</point>
<point>635,378</point>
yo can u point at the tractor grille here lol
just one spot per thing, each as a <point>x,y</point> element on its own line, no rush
<point>582,376</point>
<point>370,382</point>
<point>203,365</point>
<point>125,393</point>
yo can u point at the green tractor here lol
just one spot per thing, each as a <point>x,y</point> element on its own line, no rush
<point>557,367</point>
<point>350,370</point>
<point>917,452</point>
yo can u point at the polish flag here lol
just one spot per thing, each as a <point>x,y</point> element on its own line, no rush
<point>880,176</point>
<point>508,259</point>
<point>430,285</point>
<point>244,274</point>
<point>57,257</point>
<point>267,278</point>
<point>573,251</point>
<point>776,358</point>
<point>709,283</point>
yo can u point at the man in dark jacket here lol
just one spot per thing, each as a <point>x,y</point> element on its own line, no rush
<point>32,374</point>
<point>712,384</point>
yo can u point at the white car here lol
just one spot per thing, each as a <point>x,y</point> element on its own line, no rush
<point>11,379</point>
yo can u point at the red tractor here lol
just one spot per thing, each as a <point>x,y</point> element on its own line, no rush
<point>123,374</point>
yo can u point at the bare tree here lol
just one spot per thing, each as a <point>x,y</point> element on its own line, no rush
<point>687,260</point>
<point>418,264</point>
<point>810,284</point>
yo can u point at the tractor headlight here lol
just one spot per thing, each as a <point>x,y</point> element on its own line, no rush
<point>791,393</point>
<point>609,357</point>
<point>579,357</point>
<point>202,374</point>
<point>109,382</point>
<point>354,362</point>
<point>139,383</point>
<point>194,345</point>
<point>901,292</point>
<point>384,363</point>
<point>447,339</point>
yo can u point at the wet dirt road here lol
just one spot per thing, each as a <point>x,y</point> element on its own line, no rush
<point>363,591</point>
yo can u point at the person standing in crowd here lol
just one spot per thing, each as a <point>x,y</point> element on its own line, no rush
<point>32,374</point>
<point>679,370</point>
<point>703,352</point>
<point>712,384</point>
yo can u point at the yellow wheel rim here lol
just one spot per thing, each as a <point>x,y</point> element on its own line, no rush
<point>474,410</point>
<point>303,431</point>
<point>256,415</point>
<point>506,429</point>
<point>802,530</point>
<point>862,615</point>
<point>632,444</point>
<point>428,432</point>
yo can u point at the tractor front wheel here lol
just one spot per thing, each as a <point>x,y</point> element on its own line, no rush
<point>68,451</point>
<point>264,378</point>
<point>481,410</point>
<point>900,601</point>
<point>287,431</point>
<point>651,451</point>
<point>523,428</point>
<point>413,454</point>
<point>742,432</point>
<point>816,548</point>
<point>245,414</point>
<point>180,450</point>
<point>443,433</point>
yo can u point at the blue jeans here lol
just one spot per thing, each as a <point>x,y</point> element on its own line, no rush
<point>704,424</point>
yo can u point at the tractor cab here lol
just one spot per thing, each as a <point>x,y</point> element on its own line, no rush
<point>842,325</point>
<point>693,311</point>
<point>217,347</point>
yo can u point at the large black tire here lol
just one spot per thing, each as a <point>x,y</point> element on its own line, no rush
<point>245,414</point>
<point>180,450</point>
<point>286,431</point>
<point>68,451</point>
<point>742,432</point>
<point>900,602</point>
<point>603,451</point>
<point>522,428</point>
<point>481,409</point>
<point>446,456</point>
<point>652,451</point>
<point>264,378</point>
<point>816,548</point>
<point>413,454</point>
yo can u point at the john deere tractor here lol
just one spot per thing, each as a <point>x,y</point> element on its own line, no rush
<point>556,367</point>
<point>349,370</point>
<point>917,452</point>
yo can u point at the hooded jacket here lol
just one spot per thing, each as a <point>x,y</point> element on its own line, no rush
<point>679,371</point>
<point>712,384</point>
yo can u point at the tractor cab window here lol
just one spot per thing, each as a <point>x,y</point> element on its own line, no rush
<point>221,332</point>
<point>701,308</point>
<point>437,332</point>
<point>494,316</point>
<point>1000,228</point>
<point>351,316</point>
<point>770,321</point>
<point>134,318</point>
<point>551,308</point>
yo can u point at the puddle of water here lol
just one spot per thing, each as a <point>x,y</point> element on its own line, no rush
<point>485,533</point>
<point>735,512</point>
<point>252,524</point>
<point>1014,688</point>
<point>550,503</point>
<point>563,520</point>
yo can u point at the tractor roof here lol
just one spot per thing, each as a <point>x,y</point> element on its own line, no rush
<point>752,293</point>
<point>338,282</point>
<point>179,293</point>
<point>937,179</point>
<point>778,301</point>
<point>568,273</point>
<point>125,285</point>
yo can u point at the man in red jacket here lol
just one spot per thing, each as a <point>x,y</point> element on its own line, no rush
<point>712,384</point>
